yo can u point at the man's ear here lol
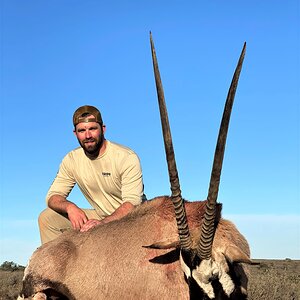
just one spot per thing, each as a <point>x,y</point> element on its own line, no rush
<point>74,131</point>
<point>103,128</point>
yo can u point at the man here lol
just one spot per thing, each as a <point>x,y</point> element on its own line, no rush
<point>109,176</point>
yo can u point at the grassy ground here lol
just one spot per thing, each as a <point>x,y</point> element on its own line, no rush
<point>268,280</point>
<point>275,280</point>
<point>10,284</point>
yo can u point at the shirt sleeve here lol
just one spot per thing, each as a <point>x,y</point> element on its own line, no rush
<point>131,180</point>
<point>63,182</point>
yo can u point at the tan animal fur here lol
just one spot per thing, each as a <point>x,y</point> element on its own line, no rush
<point>110,262</point>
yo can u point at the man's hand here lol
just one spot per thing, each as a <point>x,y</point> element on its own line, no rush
<point>61,205</point>
<point>76,216</point>
<point>120,212</point>
<point>90,224</point>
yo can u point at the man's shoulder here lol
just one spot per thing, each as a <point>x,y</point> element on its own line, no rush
<point>76,153</point>
<point>122,156</point>
<point>115,147</point>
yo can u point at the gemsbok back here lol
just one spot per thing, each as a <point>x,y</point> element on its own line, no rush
<point>166,248</point>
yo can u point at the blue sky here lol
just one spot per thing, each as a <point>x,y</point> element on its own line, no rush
<point>58,55</point>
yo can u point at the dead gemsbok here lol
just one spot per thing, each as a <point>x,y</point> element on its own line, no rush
<point>152,253</point>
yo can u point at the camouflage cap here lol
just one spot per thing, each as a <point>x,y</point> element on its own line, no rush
<point>81,113</point>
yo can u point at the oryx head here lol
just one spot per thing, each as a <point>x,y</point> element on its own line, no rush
<point>197,262</point>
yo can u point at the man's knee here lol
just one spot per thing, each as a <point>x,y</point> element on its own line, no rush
<point>51,224</point>
<point>49,217</point>
<point>44,217</point>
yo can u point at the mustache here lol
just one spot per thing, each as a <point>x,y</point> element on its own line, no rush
<point>89,140</point>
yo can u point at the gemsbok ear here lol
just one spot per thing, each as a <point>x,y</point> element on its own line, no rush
<point>234,254</point>
<point>169,243</point>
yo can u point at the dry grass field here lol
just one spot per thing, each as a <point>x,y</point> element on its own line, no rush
<point>269,280</point>
<point>274,280</point>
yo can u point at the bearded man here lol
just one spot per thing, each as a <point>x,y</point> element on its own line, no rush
<point>108,174</point>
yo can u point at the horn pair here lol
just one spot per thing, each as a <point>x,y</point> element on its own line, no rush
<point>208,225</point>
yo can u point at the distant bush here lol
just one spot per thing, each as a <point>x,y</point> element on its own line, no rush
<point>11,266</point>
<point>10,281</point>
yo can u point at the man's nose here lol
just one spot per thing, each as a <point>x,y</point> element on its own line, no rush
<point>88,134</point>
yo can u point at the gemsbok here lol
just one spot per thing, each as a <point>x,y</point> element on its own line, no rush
<point>166,248</point>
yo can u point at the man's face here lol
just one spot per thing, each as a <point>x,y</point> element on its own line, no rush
<point>90,136</point>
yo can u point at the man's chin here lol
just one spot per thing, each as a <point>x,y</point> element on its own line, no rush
<point>91,150</point>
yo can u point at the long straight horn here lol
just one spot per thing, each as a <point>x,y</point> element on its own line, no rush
<point>183,230</point>
<point>208,225</point>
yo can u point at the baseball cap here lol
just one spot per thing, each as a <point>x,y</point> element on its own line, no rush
<point>81,113</point>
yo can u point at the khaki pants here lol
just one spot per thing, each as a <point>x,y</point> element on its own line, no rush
<point>52,224</point>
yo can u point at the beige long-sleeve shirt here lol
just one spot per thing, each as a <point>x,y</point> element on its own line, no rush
<point>106,182</point>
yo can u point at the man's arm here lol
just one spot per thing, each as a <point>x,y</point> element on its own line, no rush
<point>61,187</point>
<point>119,213</point>
<point>61,205</point>
<point>132,180</point>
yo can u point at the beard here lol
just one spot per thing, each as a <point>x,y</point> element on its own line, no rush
<point>92,146</point>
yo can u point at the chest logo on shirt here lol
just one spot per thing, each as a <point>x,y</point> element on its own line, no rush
<point>106,174</point>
